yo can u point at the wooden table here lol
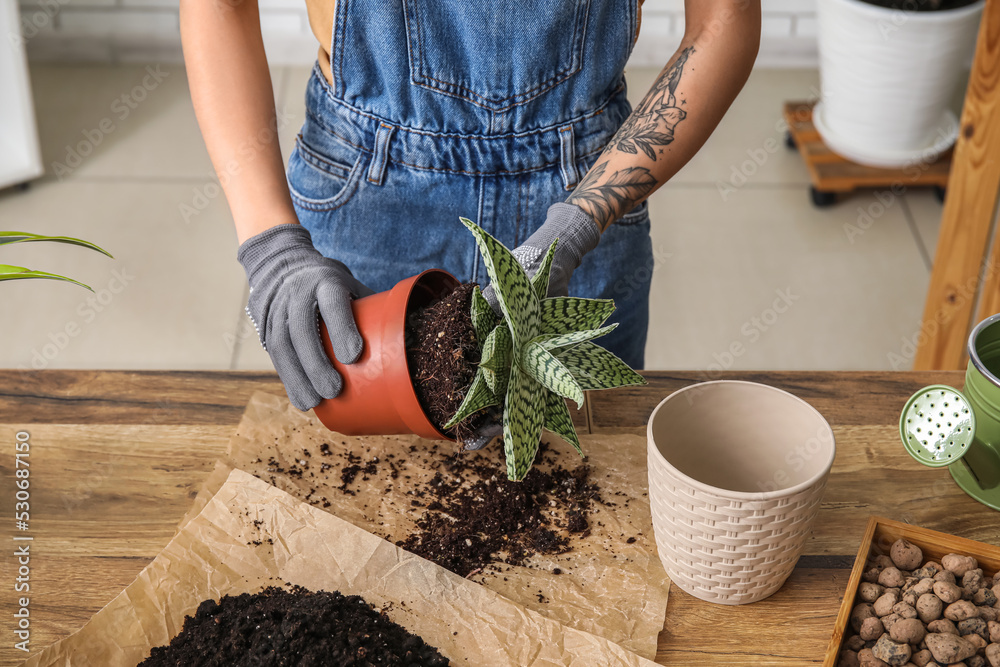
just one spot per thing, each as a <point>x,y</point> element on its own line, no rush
<point>117,456</point>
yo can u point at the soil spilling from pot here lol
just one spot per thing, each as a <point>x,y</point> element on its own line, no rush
<point>443,355</point>
<point>278,627</point>
<point>476,517</point>
<point>467,515</point>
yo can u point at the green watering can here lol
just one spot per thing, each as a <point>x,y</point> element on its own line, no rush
<point>942,426</point>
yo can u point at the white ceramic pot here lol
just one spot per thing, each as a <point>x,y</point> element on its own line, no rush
<point>736,474</point>
<point>887,78</point>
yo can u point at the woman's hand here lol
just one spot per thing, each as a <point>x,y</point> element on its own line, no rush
<point>289,281</point>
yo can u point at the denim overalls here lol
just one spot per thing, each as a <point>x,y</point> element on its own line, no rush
<point>487,110</point>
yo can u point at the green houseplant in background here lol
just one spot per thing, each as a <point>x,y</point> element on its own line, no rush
<point>537,353</point>
<point>10,272</point>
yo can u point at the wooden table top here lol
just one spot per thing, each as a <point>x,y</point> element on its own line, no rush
<point>116,458</point>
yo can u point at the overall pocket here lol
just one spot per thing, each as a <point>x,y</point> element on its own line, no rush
<point>324,178</point>
<point>494,54</point>
<point>638,214</point>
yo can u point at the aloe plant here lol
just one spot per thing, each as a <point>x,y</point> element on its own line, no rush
<point>538,352</point>
<point>10,272</point>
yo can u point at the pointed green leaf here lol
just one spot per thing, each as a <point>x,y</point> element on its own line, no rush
<point>483,317</point>
<point>550,342</point>
<point>522,423</point>
<point>566,314</point>
<point>498,352</point>
<point>540,364</point>
<point>478,397</point>
<point>25,237</point>
<point>559,421</point>
<point>510,283</point>
<point>8,272</point>
<point>540,281</point>
<point>593,367</point>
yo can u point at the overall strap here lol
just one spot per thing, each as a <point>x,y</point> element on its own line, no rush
<point>567,157</point>
<point>380,159</point>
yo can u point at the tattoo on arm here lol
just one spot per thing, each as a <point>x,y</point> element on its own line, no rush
<point>649,128</point>
<point>601,197</point>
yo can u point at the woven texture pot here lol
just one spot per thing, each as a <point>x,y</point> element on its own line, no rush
<point>737,471</point>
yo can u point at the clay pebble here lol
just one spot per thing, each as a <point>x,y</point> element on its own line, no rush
<point>890,652</point>
<point>948,649</point>
<point>906,555</point>
<point>958,564</point>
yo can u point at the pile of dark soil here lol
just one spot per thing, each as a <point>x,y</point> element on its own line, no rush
<point>292,627</point>
<point>476,517</point>
<point>443,355</point>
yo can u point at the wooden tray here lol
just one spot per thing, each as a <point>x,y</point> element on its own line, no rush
<point>833,175</point>
<point>878,539</point>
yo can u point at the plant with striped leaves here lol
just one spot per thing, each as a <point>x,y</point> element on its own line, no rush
<point>539,352</point>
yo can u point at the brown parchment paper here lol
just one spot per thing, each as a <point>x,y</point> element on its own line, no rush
<point>608,587</point>
<point>215,554</point>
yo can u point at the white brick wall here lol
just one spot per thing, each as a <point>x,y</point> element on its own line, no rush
<point>788,33</point>
<point>134,30</point>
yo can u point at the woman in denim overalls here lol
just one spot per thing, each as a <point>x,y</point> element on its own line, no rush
<point>419,112</point>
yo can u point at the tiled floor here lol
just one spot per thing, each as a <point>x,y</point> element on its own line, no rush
<point>748,275</point>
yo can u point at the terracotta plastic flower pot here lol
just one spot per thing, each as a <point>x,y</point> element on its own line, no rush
<point>378,397</point>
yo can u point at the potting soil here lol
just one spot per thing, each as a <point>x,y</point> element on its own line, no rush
<point>476,517</point>
<point>278,627</point>
<point>443,355</point>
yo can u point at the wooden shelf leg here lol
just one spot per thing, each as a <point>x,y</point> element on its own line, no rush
<point>965,268</point>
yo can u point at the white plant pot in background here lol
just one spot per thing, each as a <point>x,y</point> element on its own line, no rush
<point>887,77</point>
<point>20,156</point>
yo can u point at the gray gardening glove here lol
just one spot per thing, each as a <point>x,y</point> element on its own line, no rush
<point>289,279</point>
<point>578,234</point>
<point>483,436</point>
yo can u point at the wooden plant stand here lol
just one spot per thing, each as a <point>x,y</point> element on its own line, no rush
<point>832,175</point>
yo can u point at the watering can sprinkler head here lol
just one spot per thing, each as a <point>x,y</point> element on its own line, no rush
<point>942,426</point>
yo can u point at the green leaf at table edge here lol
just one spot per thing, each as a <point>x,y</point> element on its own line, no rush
<point>25,237</point>
<point>8,272</point>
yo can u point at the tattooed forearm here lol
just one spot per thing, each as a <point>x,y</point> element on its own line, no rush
<point>607,194</point>
<point>651,125</point>
<point>603,197</point>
